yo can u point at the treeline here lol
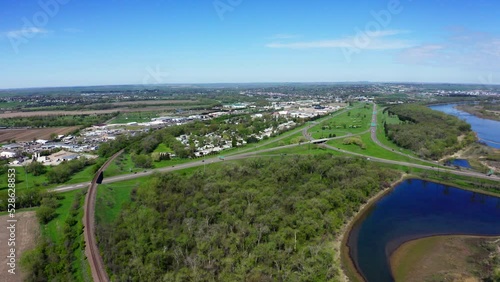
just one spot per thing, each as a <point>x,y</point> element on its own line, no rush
<point>25,198</point>
<point>261,220</point>
<point>430,134</point>
<point>62,172</point>
<point>56,120</point>
<point>57,261</point>
<point>66,170</point>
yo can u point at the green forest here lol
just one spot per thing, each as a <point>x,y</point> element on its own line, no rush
<point>258,220</point>
<point>430,134</point>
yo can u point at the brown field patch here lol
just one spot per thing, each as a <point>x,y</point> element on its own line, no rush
<point>440,258</point>
<point>33,133</point>
<point>9,114</point>
<point>27,231</point>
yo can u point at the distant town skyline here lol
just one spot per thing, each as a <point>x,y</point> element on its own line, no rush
<point>53,43</point>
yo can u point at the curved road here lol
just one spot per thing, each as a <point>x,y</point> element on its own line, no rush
<point>241,155</point>
<point>255,154</point>
<point>375,139</point>
<point>373,131</point>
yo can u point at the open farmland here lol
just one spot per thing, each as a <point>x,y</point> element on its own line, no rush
<point>27,231</point>
<point>94,112</point>
<point>30,134</point>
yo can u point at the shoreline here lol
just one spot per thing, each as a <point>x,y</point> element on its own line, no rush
<point>349,270</point>
<point>484,192</point>
<point>477,114</point>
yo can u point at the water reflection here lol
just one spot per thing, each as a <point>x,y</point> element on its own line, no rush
<point>413,210</point>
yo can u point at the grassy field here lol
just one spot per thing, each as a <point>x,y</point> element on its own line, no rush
<point>24,180</point>
<point>85,175</point>
<point>371,149</point>
<point>111,197</point>
<point>54,228</point>
<point>124,165</point>
<point>162,148</point>
<point>10,105</point>
<point>352,121</point>
<point>306,149</point>
<point>134,117</point>
<point>121,165</point>
<point>29,181</point>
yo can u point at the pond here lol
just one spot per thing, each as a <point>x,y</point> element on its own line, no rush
<point>460,163</point>
<point>416,209</point>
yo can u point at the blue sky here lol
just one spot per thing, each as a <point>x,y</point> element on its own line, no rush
<point>76,42</point>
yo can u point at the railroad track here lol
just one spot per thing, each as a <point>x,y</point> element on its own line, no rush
<point>91,250</point>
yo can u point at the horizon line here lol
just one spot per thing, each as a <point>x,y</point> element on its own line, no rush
<point>245,83</point>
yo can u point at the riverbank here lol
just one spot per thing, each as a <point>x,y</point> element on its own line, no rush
<point>480,112</point>
<point>349,270</point>
<point>444,258</point>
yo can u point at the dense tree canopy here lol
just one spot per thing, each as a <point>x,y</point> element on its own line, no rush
<point>36,168</point>
<point>429,133</point>
<point>262,220</point>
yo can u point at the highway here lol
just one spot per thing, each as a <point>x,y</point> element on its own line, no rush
<point>375,139</point>
<point>245,154</point>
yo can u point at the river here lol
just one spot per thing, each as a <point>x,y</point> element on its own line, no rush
<point>416,209</point>
<point>487,130</point>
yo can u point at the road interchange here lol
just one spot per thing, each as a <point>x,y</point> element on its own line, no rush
<point>256,152</point>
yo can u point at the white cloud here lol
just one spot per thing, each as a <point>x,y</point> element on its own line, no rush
<point>420,53</point>
<point>462,48</point>
<point>363,40</point>
<point>25,32</point>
